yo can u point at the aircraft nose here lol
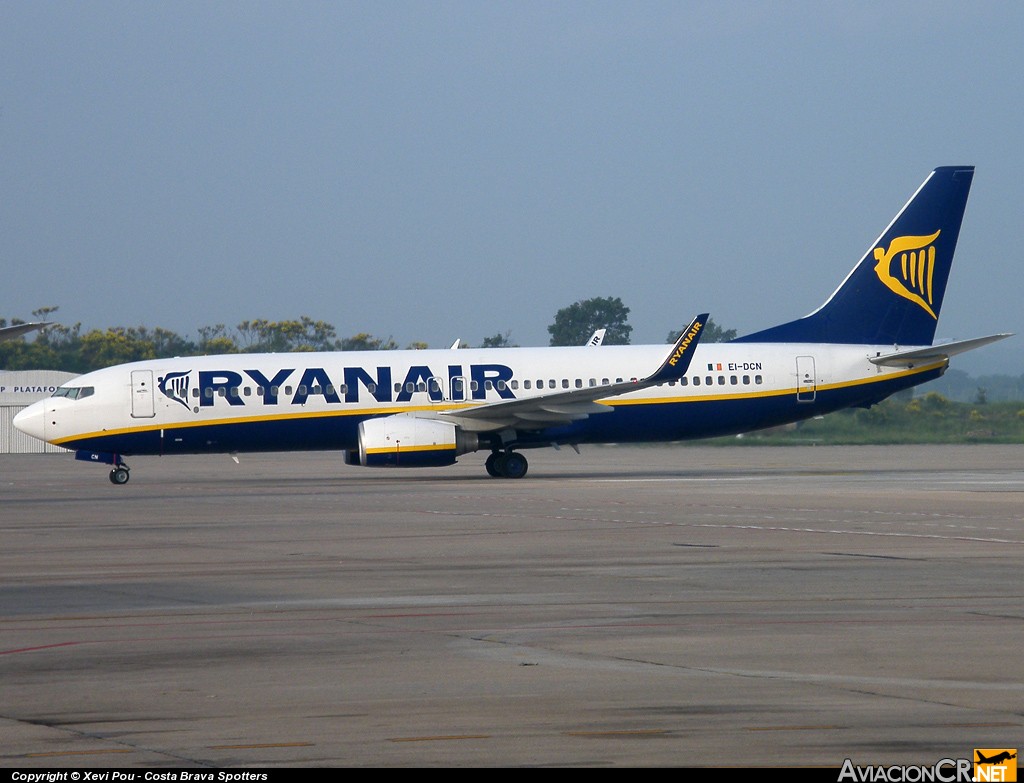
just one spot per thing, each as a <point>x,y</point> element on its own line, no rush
<point>31,420</point>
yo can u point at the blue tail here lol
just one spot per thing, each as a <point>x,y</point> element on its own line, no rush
<point>893,296</point>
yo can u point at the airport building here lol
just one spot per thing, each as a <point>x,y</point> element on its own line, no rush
<point>18,390</point>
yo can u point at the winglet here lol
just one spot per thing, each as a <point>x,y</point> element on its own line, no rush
<point>678,361</point>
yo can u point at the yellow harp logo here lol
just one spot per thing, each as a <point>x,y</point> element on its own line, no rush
<point>911,278</point>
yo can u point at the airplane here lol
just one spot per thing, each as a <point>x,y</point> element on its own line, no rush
<point>425,408</point>
<point>996,759</point>
<point>593,341</point>
<point>10,332</point>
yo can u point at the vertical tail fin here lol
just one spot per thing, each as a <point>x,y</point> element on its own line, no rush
<point>893,296</point>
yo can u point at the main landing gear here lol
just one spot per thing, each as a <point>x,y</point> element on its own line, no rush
<point>506,464</point>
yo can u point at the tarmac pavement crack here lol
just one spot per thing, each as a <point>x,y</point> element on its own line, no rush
<point>97,737</point>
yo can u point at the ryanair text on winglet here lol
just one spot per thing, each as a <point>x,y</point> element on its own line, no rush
<point>694,331</point>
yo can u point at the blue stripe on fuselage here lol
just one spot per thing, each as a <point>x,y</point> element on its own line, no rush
<point>663,420</point>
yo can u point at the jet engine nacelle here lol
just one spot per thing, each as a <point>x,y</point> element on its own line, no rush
<point>406,441</point>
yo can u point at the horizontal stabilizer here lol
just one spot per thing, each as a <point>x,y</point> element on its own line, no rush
<point>934,352</point>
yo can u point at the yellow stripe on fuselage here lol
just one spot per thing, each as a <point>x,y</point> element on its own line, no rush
<point>445,408</point>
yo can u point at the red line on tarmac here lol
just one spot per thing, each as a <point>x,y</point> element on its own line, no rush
<point>40,647</point>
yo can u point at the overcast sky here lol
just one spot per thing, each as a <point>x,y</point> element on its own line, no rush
<point>433,170</point>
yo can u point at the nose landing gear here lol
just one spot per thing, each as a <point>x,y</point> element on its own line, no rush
<point>120,474</point>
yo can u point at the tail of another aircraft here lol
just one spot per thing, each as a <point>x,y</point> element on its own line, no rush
<point>893,296</point>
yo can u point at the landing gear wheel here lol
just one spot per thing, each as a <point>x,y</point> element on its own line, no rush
<point>514,465</point>
<point>119,475</point>
<point>492,464</point>
<point>508,464</point>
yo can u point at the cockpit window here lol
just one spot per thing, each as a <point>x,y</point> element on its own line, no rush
<point>74,392</point>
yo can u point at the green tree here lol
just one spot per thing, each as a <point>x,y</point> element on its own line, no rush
<point>215,339</point>
<point>366,342</point>
<point>498,340</point>
<point>713,333</point>
<point>116,345</point>
<point>574,324</point>
<point>261,335</point>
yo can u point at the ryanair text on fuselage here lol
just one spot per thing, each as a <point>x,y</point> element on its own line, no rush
<point>347,385</point>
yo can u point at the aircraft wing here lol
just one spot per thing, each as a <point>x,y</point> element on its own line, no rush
<point>934,352</point>
<point>549,410</point>
<point>10,332</point>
